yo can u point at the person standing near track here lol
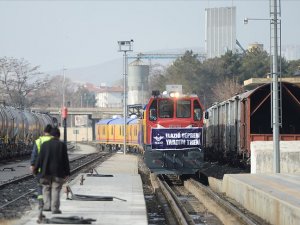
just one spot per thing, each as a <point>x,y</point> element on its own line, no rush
<point>55,170</point>
<point>34,155</point>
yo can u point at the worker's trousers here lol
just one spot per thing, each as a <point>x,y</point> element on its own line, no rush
<point>51,192</point>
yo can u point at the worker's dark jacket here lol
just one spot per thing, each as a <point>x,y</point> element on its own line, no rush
<point>53,159</point>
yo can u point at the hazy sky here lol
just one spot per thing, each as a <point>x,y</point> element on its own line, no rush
<point>83,33</point>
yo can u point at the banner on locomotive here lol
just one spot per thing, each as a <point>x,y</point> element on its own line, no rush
<point>176,138</point>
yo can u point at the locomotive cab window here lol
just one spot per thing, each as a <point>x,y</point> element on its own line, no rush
<point>166,109</point>
<point>183,109</point>
<point>153,111</point>
<point>197,111</point>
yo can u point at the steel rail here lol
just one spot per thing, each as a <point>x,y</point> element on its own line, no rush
<point>73,171</point>
<point>225,204</point>
<point>16,199</point>
<point>30,175</point>
<point>179,211</point>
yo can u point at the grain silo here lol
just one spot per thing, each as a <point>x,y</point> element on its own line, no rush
<point>138,73</point>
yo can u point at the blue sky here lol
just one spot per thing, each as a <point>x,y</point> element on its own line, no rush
<point>74,34</point>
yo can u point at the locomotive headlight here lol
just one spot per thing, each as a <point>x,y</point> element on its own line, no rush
<point>174,94</point>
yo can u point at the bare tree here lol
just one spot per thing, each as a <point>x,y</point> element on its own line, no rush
<point>226,89</point>
<point>76,95</point>
<point>157,79</point>
<point>17,79</point>
<point>52,94</point>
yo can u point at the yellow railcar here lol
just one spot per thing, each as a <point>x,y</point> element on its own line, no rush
<point>110,133</point>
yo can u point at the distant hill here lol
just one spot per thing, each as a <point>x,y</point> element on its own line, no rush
<point>111,71</point>
<point>108,72</point>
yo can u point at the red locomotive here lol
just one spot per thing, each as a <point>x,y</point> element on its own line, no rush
<point>172,133</point>
<point>169,134</point>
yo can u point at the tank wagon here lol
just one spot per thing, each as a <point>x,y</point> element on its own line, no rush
<point>231,126</point>
<point>18,130</point>
<point>169,134</point>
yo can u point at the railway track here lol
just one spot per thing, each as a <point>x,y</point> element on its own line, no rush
<point>17,195</point>
<point>29,175</point>
<point>193,203</point>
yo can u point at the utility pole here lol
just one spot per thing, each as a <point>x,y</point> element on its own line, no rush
<point>274,12</point>
<point>276,101</point>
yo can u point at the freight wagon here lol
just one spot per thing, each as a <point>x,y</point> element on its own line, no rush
<point>232,125</point>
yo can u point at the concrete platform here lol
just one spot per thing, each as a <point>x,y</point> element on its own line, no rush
<point>125,186</point>
<point>262,157</point>
<point>273,197</point>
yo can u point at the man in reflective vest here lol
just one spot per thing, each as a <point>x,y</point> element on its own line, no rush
<point>54,162</point>
<point>35,152</point>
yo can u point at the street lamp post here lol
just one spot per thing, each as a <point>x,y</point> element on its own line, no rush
<point>125,46</point>
<point>274,21</point>
<point>246,20</point>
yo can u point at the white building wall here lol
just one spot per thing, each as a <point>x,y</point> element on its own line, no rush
<point>101,99</point>
<point>115,99</point>
<point>220,31</point>
<point>109,99</point>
